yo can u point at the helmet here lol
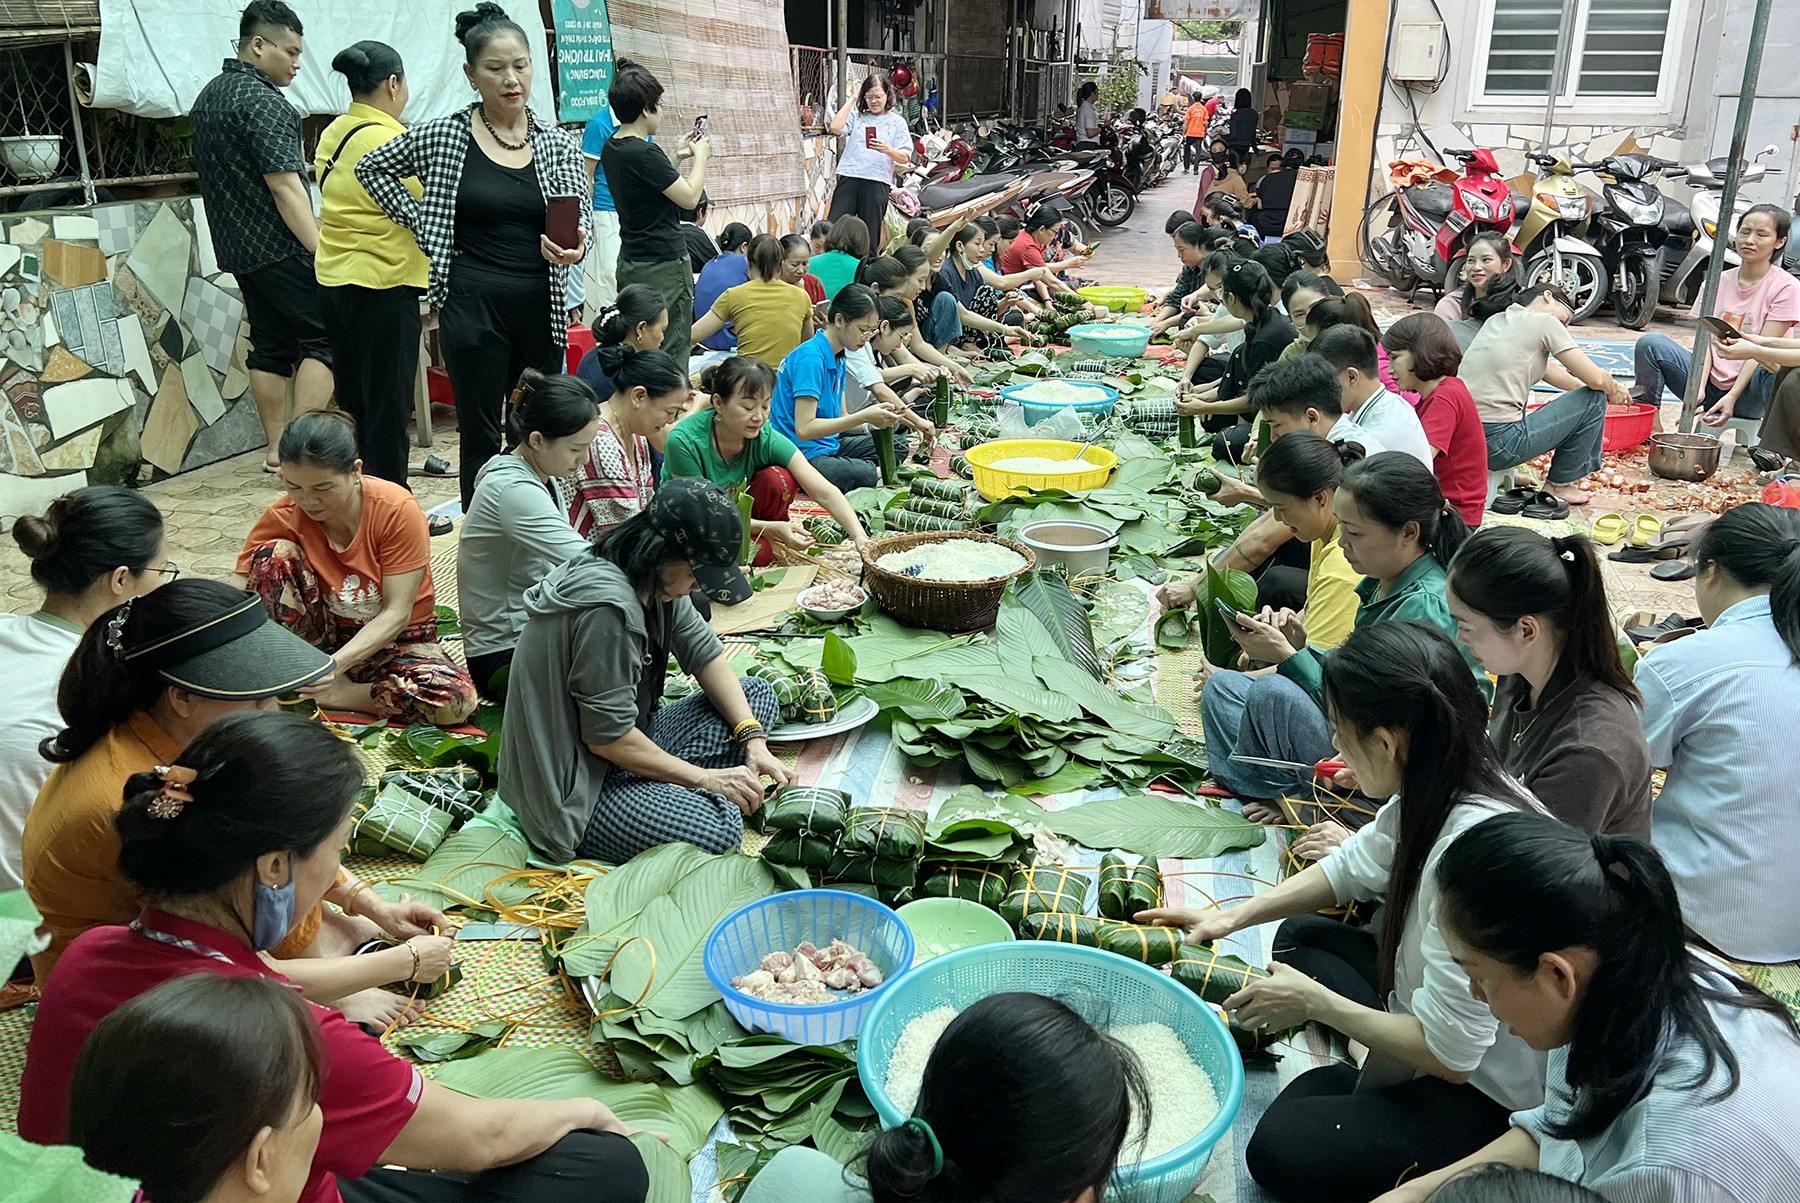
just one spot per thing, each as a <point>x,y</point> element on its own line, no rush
<point>901,75</point>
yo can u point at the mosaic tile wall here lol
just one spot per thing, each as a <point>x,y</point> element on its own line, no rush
<point>121,350</point>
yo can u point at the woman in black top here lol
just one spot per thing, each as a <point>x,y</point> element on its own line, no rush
<point>496,278</point>
<point>1244,118</point>
<point>1250,296</point>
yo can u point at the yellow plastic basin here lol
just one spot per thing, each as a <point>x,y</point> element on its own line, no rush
<point>1097,466</point>
<point>1118,298</point>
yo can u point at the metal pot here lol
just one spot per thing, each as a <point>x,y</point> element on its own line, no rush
<point>1079,546</point>
<point>1684,456</point>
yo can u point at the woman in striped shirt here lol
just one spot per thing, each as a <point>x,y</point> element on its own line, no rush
<point>1671,1080</point>
<point>615,481</point>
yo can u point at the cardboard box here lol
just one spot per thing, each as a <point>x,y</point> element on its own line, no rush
<point>1311,98</point>
<point>1295,119</point>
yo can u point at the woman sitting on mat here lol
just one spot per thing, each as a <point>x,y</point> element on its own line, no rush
<point>617,476</point>
<point>848,244</point>
<point>91,550</point>
<point>228,842</point>
<point>344,561</point>
<point>733,444</point>
<point>1725,821</point>
<point>1512,353</point>
<point>769,315</point>
<point>808,404</point>
<point>1395,528</point>
<point>1022,1098</point>
<point>234,1064</point>
<point>906,275</point>
<point>796,261</point>
<point>604,770</point>
<point>875,373</point>
<point>1756,297</point>
<point>1671,1079</point>
<point>1442,1073</point>
<point>517,528</point>
<point>722,273</point>
<point>1490,285</point>
<point>967,304</point>
<point>1424,356</point>
<point>1532,610</point>
<point>637,319</point>
<point>1220,402</point>
<point>145,681</point>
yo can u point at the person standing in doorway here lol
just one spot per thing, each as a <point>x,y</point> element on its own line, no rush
<point>601,267</point>
<point>499,281</point>
<point>652,195</point>
<point>876,141</point>
<point>371,273</point>
<point>252,176</point>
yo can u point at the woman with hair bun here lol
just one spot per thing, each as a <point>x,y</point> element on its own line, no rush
<point>344,561</point>
<point>371,271</point>
<point>91,550</point>
<point>518,528</point>
<point>1671,1079</point>
<point>227,842</point>
<point>650,392</point>
<point>1532,610</point>
<point>489,172</point>
<point>767,315</point>
<point>637,318</point>
<point>1725,821</point>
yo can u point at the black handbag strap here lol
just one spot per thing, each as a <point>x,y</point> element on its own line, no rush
<point>338,153</point>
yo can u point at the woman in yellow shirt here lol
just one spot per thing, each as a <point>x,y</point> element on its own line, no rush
<point>771,316</point>
<point>371,272</point>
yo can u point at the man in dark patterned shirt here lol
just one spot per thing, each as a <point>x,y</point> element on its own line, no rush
<point>252,174</point>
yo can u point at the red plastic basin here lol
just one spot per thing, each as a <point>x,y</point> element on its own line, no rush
<point>1627,426</point>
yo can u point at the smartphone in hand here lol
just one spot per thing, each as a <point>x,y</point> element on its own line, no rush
<point>700,125</point>
<point>1721,329</point>
<point>562,221</point>
<point>868,135</point>
<point>1227,611</point>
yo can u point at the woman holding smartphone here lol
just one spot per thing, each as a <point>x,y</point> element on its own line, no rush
<point>876,141</point>
<point>497,177</point>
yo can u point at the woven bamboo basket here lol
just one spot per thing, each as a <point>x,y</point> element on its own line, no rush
<point>951,606</point>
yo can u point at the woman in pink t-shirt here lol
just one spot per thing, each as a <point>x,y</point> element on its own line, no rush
<point>1757,297</point>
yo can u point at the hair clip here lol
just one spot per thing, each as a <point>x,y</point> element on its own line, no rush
<point>174,794</point>
<point>115,628</point>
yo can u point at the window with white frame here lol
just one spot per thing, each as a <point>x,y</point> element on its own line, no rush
<point>1624,52</point>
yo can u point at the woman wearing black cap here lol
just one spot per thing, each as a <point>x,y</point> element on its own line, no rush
<point>601,771</point>
<point>146,679</point>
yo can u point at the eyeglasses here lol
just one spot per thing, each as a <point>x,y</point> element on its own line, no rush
<point>172,570</point>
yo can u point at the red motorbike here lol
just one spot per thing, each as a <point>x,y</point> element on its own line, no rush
<point>1420,235</point>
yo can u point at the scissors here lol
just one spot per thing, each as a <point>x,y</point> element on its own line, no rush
<point>1326,769</point>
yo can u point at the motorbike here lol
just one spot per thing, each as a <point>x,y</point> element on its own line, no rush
<point>1115,198</point>
<point>1629,222</point>
<point>1419,235</point>
<point>1691,231</point>
<point>1552,235</point>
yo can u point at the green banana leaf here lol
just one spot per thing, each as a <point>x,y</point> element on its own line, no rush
<point>461,871</point>
<point>670,1180</point>
<point>432,1045</point>
<point>1046,597</point>
<point>616,899</point>
<point>661,970</point>
<point>1236,589</point>
<point>1157,826</point>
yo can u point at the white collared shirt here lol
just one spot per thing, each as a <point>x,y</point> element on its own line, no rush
<point>1348,430</point>
<point>1389,418</point>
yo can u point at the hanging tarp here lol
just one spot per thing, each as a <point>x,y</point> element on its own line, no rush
<point>584,57</point>
<point>156,55</point>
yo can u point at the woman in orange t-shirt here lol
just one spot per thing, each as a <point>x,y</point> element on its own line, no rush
<point>344,561</point>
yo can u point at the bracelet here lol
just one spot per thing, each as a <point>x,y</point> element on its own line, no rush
<point>414,976</point>
<point>350,899</point>
<point>749,729</point>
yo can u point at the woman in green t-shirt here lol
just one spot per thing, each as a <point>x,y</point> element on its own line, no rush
<point>732,444</point>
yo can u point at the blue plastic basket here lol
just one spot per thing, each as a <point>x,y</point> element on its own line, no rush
<point>782,922</point>
<point>1100,985</point>
<point>1121,340</point>
<point>1105,396</point>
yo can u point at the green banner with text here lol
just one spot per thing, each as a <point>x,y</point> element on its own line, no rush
<point>584,58</point>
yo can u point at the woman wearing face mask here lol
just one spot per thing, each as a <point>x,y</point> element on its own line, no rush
<point>1220,173</point>
<point>876,143</point>
<point>808,405</point>
<point>604,770</point>
<point>234,1063</point>
<point>1670,1077</point>
<point>1393,527</point>
<point>344,561</point>
<point>497,279</point>
<point>148,679</point>
<point>1724,821</point>
<point>769,313</point>
<point>1757,297</point>
<point>518,528</point>
<point>1442,1073</point>
<point>228,842</point>
<point>650,393</point>
<point>906,276</point>
<point>91,550</point>
<point>732,444</point>
<point>1533,612</point>
<point>968,303</point>
<point>1489,284</point>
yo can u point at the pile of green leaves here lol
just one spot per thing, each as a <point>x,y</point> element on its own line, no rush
<point>1179,628</point>
<point>437,748</point>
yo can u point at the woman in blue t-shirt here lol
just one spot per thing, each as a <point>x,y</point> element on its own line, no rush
<point>808,406</point>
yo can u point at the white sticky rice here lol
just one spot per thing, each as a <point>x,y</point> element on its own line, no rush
<point>1040,464</point>
<point>906,1064</point>
<point>954,560</point>
<point>1055,392</point>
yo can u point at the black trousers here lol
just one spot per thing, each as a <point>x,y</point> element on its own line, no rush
<point>485,666</point>
<point>582,1167</point>
<point>1281,581</point>
<point>1193,153</point>
<point>867,199</point>
<point>494,325</point>
<point>1324,1141</point>
<point>374,336</point>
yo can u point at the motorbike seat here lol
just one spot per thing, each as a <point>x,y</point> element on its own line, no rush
<point>1678,221</point>
<point>1431,199</point>
<point>1521,202</point>
<point>957,192</point>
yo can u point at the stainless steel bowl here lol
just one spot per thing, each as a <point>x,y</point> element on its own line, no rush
<point>1081,546</point>
<point>1684,456</point>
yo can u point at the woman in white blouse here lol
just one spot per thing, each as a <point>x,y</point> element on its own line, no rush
<point>1442,1075</point>
<point>1671,1080</point>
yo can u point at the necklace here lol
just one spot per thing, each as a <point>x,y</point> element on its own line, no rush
<point>504,144</point>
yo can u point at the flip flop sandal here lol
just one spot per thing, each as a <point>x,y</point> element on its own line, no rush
<point>1644,555</point>
<point>1513,501</point>
<point>436,465</point>
<point>1646,529</point>
<point>1655,630</point>
<point>440,524</point>
<point>1676,570</point>
<point>1545,506</point>
<point>1608,529</point>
